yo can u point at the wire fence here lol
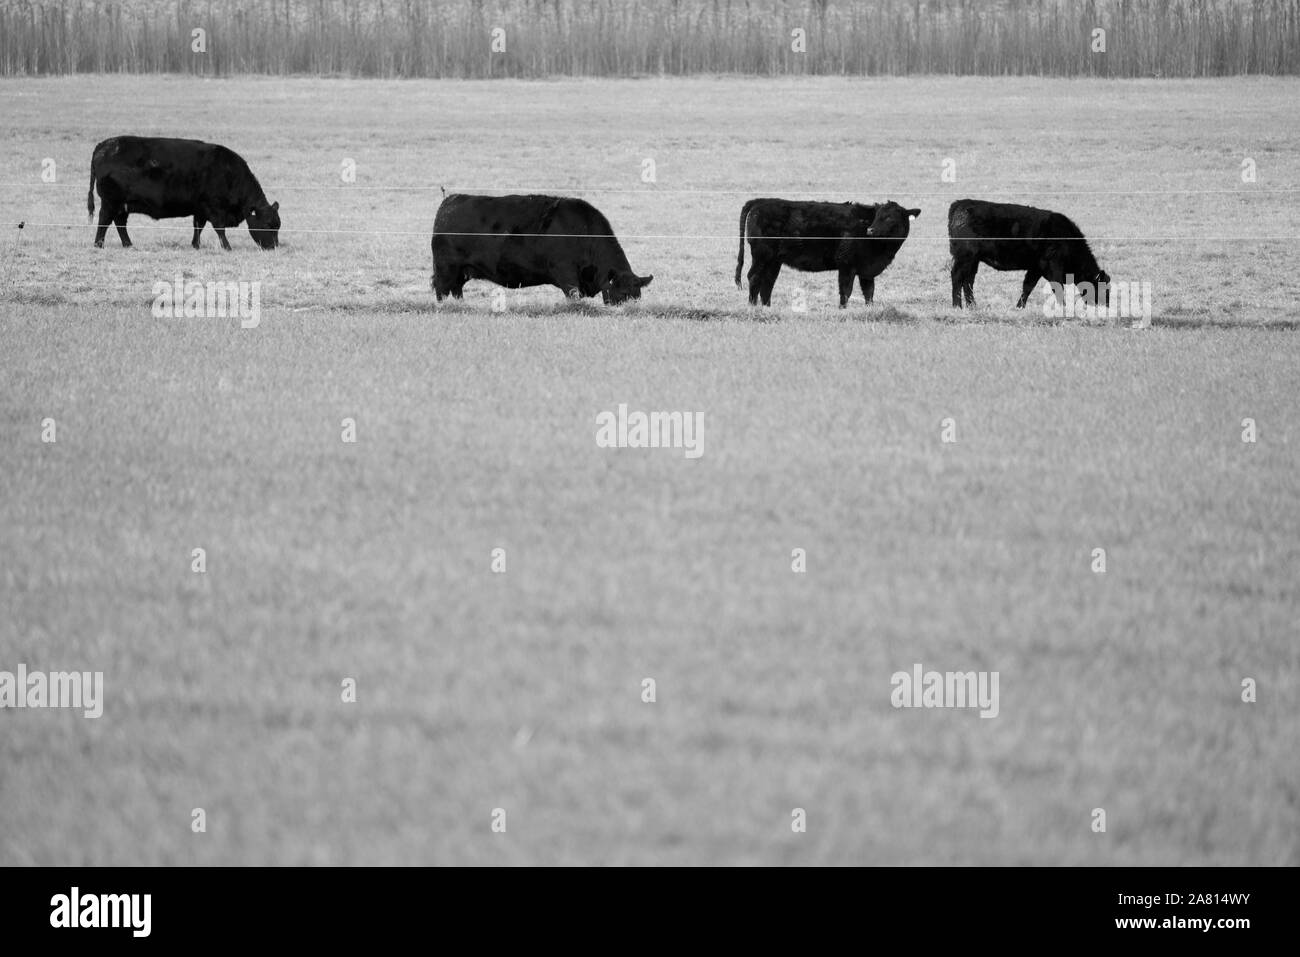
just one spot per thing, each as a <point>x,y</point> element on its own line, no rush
<point>759,191</point>
<point>669,237</point>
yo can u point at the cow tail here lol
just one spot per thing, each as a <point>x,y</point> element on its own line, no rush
<point>90,197</point>
<point>740,256</point>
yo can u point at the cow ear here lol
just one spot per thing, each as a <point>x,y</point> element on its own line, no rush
<point>913,213</point>
<point>276,205</point>
<point>643,280</point>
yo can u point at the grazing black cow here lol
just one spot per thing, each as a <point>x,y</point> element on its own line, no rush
<point>517,241</point>
<point>857,240</point>
<point>1010,237</point>
<point>165,178</point>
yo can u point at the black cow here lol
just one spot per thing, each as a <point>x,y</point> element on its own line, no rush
<point>1010,237</point>
<point>165,178</point>
<point>517,241</point>
<point>855,239</point>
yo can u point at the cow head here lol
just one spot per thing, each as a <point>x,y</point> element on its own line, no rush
<point>621,286</point>
<point>1095,289</point>
<point>264,225</point>
<point>891,221</point>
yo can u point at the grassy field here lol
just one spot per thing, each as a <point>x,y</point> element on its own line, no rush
<point>821,431</point>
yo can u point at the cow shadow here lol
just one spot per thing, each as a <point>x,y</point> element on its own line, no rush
<point>877,313</point>
<point>1178,323</point>
<point>1207,322</point>
<point>763,314</point>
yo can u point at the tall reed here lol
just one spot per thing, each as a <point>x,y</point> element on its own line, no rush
<point>453,38</point>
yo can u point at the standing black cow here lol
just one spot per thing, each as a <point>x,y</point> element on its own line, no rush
<point>165,178</point>
<point>855,239</point>
<point>1010,237</point>
<point>517,241</point>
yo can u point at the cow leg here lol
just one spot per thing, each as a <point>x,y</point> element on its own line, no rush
<point>105,218</point>
<point>120,222</point>
<point>221,234</point>
<point>447,281</point>
<point>199,222</point>
<point>569,282</point>
<point>1031,280</point>
<point>846,286</point>
<point>968,283</point>
<point>769,282</point>
<point>1055,274</point>
<point>757,270</point>
<point>570,288</point>
<point>868,288</point>
<point>958,274</point>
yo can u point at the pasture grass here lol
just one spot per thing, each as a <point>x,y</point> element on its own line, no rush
<point>821,431</point>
